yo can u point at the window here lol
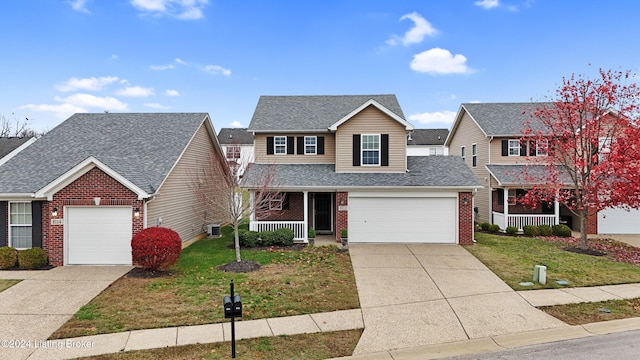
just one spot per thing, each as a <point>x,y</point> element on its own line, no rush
<point>604,146</point>
<point>542,147</point>
<point>514,147</point>
<point>280,145</point>
<point>233,152</point>
<point>511,197</point>
<point>310,145</point>
<point>462,152</point>
<point>474,157</point>
<point>370,149</point>
<point>20,225</point>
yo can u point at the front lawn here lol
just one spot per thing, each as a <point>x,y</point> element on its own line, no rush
<point>5,284</point>
<point>513,260</point>
<point>583,313</point>
<point>290,282</point>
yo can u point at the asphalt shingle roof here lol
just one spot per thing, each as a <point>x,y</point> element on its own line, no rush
<point>428,137</point>
<point>142,147</point>
<point>8,144</point>
<point>235,136</point>
<point>424,171</point>
<point>503,119</point>
<point>308,113</point>
<point>521,175</point>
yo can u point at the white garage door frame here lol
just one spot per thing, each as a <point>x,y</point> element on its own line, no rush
<point>111,226</point>
<point>429,217</point>
<point>619,221</point>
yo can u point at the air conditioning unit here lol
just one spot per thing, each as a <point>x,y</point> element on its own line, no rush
<point>213,230</point>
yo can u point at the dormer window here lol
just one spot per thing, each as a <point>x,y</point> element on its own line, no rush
<point>280,145</point>
<point>370,147</point>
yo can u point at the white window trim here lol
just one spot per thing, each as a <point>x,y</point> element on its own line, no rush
<point>315,145</point>
<point>229,151</point>
<point>604,148</point>
<point>362,150</point>
<point>545,146</point>
<point>277,146</point>
<point>511,147</point>
<point>10,225</point>
<point>462,152</point>
<point>474,155</point>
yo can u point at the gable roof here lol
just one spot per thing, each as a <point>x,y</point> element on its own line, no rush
<point>440,172</point>
<point>9,146</point>
<point>428,137</point>
<point>314,113</point>
<point>235,136</point>
<point>141,147</point>
<point>522,175</point>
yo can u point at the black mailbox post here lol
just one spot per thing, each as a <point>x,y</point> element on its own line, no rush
<point>232,309</point>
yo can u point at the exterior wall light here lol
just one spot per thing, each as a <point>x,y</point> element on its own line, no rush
<point>54,213</point>
<point>136,212</point>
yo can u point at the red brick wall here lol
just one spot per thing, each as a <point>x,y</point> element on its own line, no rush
<point>95,183</point>
<point>465,218</point>
<point>342,216</point>
<point>592,223</point>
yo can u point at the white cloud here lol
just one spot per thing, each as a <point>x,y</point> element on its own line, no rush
<point>235,124</point>
<point>114,57</point>
<point>62,111</point>
<point>182,62</point>
<point>215,69</point>
<point>172,92</point>
<point>438,117</point>
<point>487,4</point>
<point>161,67</point>
<point>91,84</point>
<point>92,101</point>
<point>156,106</point>
<point>417,33</point>
<point>180,9</point>
<point>79,5</point>
<point>440,61</point>
<point>135,91</point>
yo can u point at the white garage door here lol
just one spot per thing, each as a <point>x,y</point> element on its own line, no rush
<point>99,235</point>
<point>619,221</point>
<point>402,219</point>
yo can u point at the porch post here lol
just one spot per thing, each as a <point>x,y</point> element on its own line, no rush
<point>505,198</point>
<point>252,212</point>
<point>305,227</point>
<point>556,208</point>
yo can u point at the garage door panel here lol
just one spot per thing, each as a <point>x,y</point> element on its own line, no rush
<point>394,219</point>
<point>619,221</point>
<point>98,235</point>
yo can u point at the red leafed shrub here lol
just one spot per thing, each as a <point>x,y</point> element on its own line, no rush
<point>156,248</point>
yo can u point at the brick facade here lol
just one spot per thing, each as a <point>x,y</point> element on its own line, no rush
<point>95,183</point>
<point>592,223</point>
<point>465,218</point>
<point>342,216</point>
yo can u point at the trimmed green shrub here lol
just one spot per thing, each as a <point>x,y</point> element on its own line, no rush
<point>511,230</point>
<point>266,238</point>
<point>561,230</point>
<point>485,226</point>
<point>8,257</point>
<point>156,248</point>
<point>545,230</point>
<point>494,228</point>
<point>34,258</point>
<point>344,233</point>
<point>283,237</point>
<point>531,230</point>
<point>312,233</point>
<point>248,238</point>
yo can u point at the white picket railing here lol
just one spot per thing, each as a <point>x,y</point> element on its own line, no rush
<point>296,226</point>
<point>522,220</point>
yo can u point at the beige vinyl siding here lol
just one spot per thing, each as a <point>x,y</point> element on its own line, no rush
<point>261,156</point>
<point>176,203</point>
<point>371,121</point>
<point>496,153</point>
<point>466,134</point>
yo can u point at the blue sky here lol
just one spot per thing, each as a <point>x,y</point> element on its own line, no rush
<point>62,57</point>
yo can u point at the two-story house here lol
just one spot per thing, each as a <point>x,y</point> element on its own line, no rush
<point>426,142</point>
<point>488,136</point>
<point>237,144</point>
<point>342,162</point>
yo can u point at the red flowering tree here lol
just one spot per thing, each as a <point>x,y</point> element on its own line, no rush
<point>591,136</point>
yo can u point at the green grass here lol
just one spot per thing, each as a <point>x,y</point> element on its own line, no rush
<point>316,279</point>
<point>513,260</point>
<point>5,284</point>
<point>583,313</point>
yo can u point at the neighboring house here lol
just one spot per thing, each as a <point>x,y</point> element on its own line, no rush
<point>237,144</point>
<point>342,163</point>
<point>10,146</point>
<point>488,137</point>
<point>83,189</point>
<point>425,142</point>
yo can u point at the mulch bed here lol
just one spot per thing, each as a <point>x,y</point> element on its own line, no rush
<point>140,273</point>
<point>591,252</point>
<point>294,247</point>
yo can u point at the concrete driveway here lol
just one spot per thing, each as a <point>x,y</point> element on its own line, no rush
<point>422,294</point>
<point>33,309</point>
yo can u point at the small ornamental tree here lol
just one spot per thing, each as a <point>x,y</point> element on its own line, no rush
<point>591,137</point>
<point>156,248</point>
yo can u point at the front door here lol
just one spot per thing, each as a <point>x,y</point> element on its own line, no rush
<point>323,215</point>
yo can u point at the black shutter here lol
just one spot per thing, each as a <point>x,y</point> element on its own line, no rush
<point>290,145</point>
<point>36,224</point>
<point>269,145</point>
<point>300,140</point>
<point>3,222</point>
<point>320,143</point>
<point>523,148</point>
<point>532,148</point>
<point>356,149</point>
<point>505,147</point>
<point>384,149</point>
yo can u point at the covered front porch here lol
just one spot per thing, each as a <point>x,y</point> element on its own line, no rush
<point>508,211</point>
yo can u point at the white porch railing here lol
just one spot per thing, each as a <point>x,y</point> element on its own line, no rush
<point>522,220</point>
<point>296,226</point>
